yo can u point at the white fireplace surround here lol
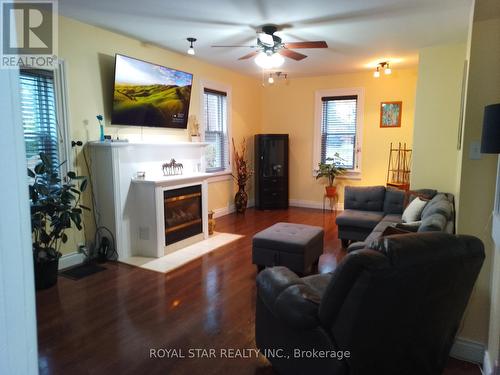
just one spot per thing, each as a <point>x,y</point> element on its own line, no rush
<point>131,208</point>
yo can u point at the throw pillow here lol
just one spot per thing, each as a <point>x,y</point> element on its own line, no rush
<point>424,194</point>
<point>411,226</point>
<point>393,230</point>
<point>414,210</point>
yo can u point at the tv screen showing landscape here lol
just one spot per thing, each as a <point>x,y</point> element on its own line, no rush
<point>147,94</point>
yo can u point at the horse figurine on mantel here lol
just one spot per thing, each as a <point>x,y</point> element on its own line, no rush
<point>172,168</point>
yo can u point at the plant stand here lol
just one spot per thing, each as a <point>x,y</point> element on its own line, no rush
<point>333,200</point>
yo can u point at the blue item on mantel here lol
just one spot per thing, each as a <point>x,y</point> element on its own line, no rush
<point>102,133</point>
<point>101,127</point>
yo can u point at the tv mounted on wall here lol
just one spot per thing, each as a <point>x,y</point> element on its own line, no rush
<point>147,94</point>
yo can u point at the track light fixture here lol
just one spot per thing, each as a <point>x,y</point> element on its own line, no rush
<point>190,50</point>
<point>382,65</point>
<point>274,78</point>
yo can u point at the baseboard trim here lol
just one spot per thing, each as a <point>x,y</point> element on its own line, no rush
<point>487,365</point>
<point>311,204</point>
<point>223,211</point>
<point>468,350</point>
<point>70,260</point>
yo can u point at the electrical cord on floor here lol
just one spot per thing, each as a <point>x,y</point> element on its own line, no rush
<point>91,183</point>
<point>111,253</point>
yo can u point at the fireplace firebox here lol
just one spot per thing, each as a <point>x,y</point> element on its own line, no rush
<point>183,213</point>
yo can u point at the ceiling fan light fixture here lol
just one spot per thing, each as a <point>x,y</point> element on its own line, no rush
<point>190,50</point>
<point>277,60</point>
<point>269,61</point>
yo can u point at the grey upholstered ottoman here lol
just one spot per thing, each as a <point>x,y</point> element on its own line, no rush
<point>295,246</point>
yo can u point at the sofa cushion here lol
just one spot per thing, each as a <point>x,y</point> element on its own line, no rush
<point>393,218</point>
<point>424,194</point>
<point>433,223</point>
<point>358,218</point>
<point>441,206</point>
<point>414,210</point>
<point>318,283</point>
<point>369,198</point>
<point>394,201</point>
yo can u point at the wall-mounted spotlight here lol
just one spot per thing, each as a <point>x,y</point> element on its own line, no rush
<point>190,50</point>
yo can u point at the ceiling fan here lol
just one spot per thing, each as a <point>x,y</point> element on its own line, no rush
<point>270,48</point>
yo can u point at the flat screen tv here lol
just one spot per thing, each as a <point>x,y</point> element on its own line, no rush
<point>147,94</point>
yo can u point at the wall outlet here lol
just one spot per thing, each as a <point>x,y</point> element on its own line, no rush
<point>144,233</point>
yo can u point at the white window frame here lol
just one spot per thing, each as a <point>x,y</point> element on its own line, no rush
<point>62,103</point>
<point>225,174</point>
<point>62,118</point>
<point>318,116</point>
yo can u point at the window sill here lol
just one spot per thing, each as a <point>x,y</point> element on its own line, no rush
<point>350,175</point>
<point>219,176</point>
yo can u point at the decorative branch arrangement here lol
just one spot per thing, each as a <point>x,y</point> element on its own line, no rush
<point>241,174</point>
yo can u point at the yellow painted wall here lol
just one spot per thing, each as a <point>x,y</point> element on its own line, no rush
<point>89,52</point>
<point>290,109</point>
<point>437,118</point>
<point>477,184</point>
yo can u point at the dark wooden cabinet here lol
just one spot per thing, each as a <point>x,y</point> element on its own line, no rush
<point>271,171</point>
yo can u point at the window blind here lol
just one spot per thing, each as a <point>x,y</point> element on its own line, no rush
<point>38,112</point>
<point>217,153</point>
<point>338,129</point>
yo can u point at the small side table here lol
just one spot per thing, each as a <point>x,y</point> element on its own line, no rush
<point>333,200</point>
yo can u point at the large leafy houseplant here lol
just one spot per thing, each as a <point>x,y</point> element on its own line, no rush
<point>329,170</point>
<point>55,207</point>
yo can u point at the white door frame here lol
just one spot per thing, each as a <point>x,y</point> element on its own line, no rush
<point>18,342</point>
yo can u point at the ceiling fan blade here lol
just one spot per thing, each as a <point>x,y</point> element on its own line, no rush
<point>292,54</point>
<point>316,44</point>
<point>234,46</point>
<point>249,55</point>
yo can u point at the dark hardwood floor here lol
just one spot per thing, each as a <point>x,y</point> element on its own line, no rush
<point>107,323</point>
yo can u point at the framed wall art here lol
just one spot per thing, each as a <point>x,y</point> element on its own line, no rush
<point>390,114</point>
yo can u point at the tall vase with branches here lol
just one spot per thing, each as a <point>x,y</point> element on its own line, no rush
<point>241,174</point>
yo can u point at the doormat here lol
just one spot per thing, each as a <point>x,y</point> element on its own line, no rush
<point>79,272</point>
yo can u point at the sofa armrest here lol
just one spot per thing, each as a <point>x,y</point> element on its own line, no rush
<point>288,297</point>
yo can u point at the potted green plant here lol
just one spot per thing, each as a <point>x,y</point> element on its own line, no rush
<point>329,170</point>
<point>55,206</point>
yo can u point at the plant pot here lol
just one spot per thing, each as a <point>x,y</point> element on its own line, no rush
<point>331,191</point>
<point>46,274</point>
<point>241,200</point>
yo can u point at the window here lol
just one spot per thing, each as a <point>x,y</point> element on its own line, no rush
<point>338,125</point>
<point>38,93</point>
<point>216,130</point>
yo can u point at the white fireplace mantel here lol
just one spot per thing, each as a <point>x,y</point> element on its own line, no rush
<point>120,203</point>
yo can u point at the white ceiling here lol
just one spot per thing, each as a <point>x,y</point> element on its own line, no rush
<point>358,32</point>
